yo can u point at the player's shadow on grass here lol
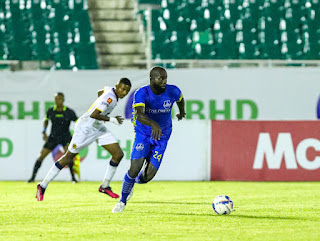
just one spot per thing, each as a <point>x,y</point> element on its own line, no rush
<point>234,216</point>
<point>172,202</point>
<point>270,217</point>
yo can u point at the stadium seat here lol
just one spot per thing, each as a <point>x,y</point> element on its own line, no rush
<point>2,32</point>
<point>17,25</point>
<point>161,45</point>
<point>39,30</point>
<point>261,36</point>
<point>182,45</point>
<point>46,30</point>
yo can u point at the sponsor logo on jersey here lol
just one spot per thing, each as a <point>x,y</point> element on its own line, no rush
<point>109,101</point>
<point>139,147</point>
<point>156,111</point>
<point>167,104</point>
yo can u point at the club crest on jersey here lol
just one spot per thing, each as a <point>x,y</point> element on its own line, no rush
<point>167,104</point>
<point>74,146</point>
<point>139,147</point>
<point>109,101</point>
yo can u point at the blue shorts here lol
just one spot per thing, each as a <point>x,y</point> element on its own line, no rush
<point>145,147</point>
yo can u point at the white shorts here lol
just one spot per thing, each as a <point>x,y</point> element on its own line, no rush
<point>83,137</point>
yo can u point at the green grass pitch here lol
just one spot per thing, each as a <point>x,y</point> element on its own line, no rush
<point>161,211</point>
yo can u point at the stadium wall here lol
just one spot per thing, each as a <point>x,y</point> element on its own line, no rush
<point>221,94</point>
<point>236,94</point>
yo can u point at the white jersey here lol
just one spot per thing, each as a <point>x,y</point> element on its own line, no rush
<point>105,103</point>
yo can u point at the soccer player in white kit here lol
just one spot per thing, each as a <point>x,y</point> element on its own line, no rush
<point>90,127</point>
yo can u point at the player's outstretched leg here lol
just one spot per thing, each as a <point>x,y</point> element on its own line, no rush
<point>41,186</point>
<point>127,185</point>
<point>53,172</point>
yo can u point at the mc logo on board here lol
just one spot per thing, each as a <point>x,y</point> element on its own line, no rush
<point>285,151</point>
<point>265,150</point>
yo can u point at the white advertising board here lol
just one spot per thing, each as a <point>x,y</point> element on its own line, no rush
<point>186,158</point>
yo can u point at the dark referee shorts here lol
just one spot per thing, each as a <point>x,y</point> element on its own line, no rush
<point>53,142</point>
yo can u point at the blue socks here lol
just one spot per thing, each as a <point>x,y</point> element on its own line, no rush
<point>127,185</point>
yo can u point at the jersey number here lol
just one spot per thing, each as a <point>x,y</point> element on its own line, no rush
<point>156,156</point>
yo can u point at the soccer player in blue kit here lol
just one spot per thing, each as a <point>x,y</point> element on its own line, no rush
<point>152,122</point>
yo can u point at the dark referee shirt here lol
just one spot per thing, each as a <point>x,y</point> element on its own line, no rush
<point>60,121</point>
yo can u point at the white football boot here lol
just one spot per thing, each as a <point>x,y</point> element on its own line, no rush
<point>119,207</point>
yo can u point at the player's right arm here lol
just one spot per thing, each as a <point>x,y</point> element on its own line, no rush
<point>140,115</point>
<point>100,105</point>
<point>138,106</point>
<point>96,114</point>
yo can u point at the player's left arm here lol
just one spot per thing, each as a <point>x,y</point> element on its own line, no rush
<point>181,106</point>
<point>180,102</point>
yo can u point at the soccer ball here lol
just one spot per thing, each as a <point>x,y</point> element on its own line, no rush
<point>222,205</point>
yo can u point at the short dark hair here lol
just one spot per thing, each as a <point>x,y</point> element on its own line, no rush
<point>125,81</point>
<point>60,93</point>
<point>156,70</point>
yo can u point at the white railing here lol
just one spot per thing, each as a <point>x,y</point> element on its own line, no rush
<point>9,62</point>
<point>13,64</point>
<point>211,63</point>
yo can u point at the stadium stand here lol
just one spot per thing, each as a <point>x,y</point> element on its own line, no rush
<point>236,29</point>
<point>196,30</point>
<point>57,30</point>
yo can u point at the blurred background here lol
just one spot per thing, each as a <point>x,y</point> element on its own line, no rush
<point>248,69</point>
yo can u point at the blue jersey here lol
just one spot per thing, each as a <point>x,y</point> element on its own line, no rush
<point>157,108</point>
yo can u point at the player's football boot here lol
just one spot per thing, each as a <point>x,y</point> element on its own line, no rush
<point>130,195</point>
<point>74,180</point>
<point>30,180</point>
<point>119,207</point>
<point>108,191</point>
<point>40,192</point>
